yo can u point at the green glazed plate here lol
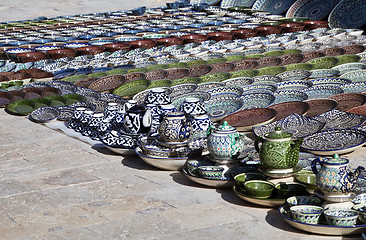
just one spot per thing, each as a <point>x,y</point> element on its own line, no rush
<point>272,70</point>
<point>73,98</point>
<point>160,83</point>
<point>299,66</point>
<point>131,88</point>
<point>57,100</point>
<point>42,102</point>
<point>21,107</point>
<point>323,62</point>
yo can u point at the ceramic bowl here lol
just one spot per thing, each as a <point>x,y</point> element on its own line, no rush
<point>218,108</point>
<point>361,209</point>
<point>177,73</point>
<point>320,106</point>
<point>322,91</point>
<point>306,178</point>
<point>156,151</point>
<point>289,96</point>
<point>241,178</point>
<point>259,188</point>
<point>341,217</point>
<point>89,50</point>
<point>245,64</point>
<point>190,38</point>
<point>306,213</point>
<point>244,33</point>
<point>347,101</point>
<point>211,172</point>
<point>30,56</point>
<point>287,108</point>
<point>267,30</point>
<point>288,189</point>
<point>303,200</point>
<point>219,36</point>
<point>199,70</point>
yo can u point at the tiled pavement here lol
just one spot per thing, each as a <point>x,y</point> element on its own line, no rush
<point>53,186</point>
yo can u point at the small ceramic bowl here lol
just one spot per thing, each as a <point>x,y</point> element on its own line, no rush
<point>341,217</point>
<point>308,179</point>
<point>306,213</point>
<point>303,200</point>
<point>259,188</point>
<point>155,151</point>
<point>289,189</point>
<point>211,172</point>
<point>361,209</point>
<point>241,178</point>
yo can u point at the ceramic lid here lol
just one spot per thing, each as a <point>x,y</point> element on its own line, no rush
<point>278,134</point>
<point>336,160</point>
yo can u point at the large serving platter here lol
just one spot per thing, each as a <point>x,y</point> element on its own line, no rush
<point>321,228</point>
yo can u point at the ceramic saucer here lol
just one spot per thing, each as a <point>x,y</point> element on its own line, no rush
<point>209,182</point>
<point>341,198</point>
<point>280,173</point>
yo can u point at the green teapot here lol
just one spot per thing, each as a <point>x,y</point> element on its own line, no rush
<point>278,150</point>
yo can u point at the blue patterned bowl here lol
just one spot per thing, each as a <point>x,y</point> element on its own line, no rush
<point>218,108</point>
<point>341,217</point>
<point>306,213</point>
<point>296,85</point>
<point>322,91</point>
<point>289,96</point>
<point>257,100</point>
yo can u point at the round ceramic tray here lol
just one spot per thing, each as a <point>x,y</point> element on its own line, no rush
<point>321,228</point>
<point>265,202</point>
<point>209,182</point>
<point>171,164</point>
<point>122,151</point>
<point>338,199</point>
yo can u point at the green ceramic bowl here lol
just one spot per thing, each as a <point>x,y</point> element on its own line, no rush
<point>57,100</point>
<point>73,98</point>
<point>259,188</point>
<point>177,65</point>
<point>323,62</point>
<point>308,179</point>
<point>42,102</point>
<point>292,51</point>
<point>21,107</point>
<point>157,67</point>
<point>215,77</point>
<point>272,70</point>
<point>234,58</point>
<point>299,66</point>
<point>196,62</point>
<point>160,83</point>
<point>117,71</point>
<point>133,70</point>
<point>97,75</point>
<point>348,58</point>
<point>195,80</point>
<point>216,60</point>
<point>131,88</point>
<point>241,178</point>
<point>255,56</point>
<point>275,53</point>
<point>74,78</point>
<point>244,73</point>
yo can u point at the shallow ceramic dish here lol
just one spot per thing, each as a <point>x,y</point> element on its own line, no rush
<point>323,73</point>
<point>202,96</point>
<point>245,120</point>
<point>294,75</point>
<point>280,173</point>
<point>360,110</point>
<point>320,106</point>
<point>354,87</point>
<point>298,125</point>
<point>322,229</point>
<point>348,67</point>
<point>296,85</point>
<point>355,76</point>
<point>33,92</point>
<point>238,82</point>
<point>180,89</point>
<point>208,86</point>
<point>287,108</point>
<point>218,108</point>
<point>21,107</point>
<point>214,183</point>
<point>257,100</point>
<point>347,101</point>
<point>172,164</point>
<point>330,81</point>
<point>225,92</point>
<point>266,202</point>
<point>66,112</point>
<point>322,91</point>
<point>44,114</point>
<point>5,98</point>
<point>336,119</point>
<point>338,141</point>
<point>289,96</point>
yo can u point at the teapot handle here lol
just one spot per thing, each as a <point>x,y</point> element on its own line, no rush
<point>314,164</point>
<point>209,129</point>
<point>147,119</point>
<point>256,143</point>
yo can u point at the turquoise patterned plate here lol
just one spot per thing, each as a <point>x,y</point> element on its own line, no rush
<point>348,14</point>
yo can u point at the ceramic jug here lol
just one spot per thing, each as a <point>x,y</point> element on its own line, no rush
<point>335,177</point>
<point>174,128</point>
<point>158,96</point>
<point>278,150</point>
<point>224,142</point>
<point>137,119</point>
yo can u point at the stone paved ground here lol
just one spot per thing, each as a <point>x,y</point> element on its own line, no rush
<point>56,187</point>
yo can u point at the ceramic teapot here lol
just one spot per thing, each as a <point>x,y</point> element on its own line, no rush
<point>174,127</point>
<point>278,150</point>
<point>224,142</point>
<point>335,177</point>
<point>137,120</point>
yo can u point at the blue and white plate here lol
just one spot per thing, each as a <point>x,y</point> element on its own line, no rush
<point>330,142</point>
<point>44,114</point>
<point>218,108</point>
<point>289,96</point>
<point>355,87</point>
<point>226,91</point>
<point>348,14</point>
<point>296,85</point>
<point>257,100</point>
<point>238,82</point>
<point>322,91</point>
<point>355,76</point>
<point>330,81</point>
<point>298,125</point>
<point>272,6</point>
<point>336,119</point>
<point>313,9</point>
<point>348,67</point>
<point>298,74</point>
<point>324,73</point>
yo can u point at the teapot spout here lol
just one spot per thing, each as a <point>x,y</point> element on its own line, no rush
<point>353,176</point>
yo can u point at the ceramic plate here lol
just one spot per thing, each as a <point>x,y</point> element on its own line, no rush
<point>209,182</point>
<point>289,96</point>
<point>294,85</point>
<point>171,164</point>
<point>347,101</point>
<point>355,76</point>
<point>339,141</point>
<point>282,173</point>
<point>298,125</point>
<point>321,228</point>
<point>336,119</point>
<point>21,107</point>
<point>348,14</point>
<point>313,9</point>
<point>245,120</point>
<point>5,98</point>
<point>272,6</point>
<point>218,108</point>
<point>287,108</point>
<point>322,91</point>
<point>257,100</point>
<point>44,114</point>
<point>319,106</point>
<point>354,87</point>
<point>337,199</point>
<point>267,202</point>
<point>66,113</point>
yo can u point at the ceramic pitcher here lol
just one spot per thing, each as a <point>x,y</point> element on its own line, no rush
<point>278,150</point>
<point>335,177</point>
<point>224,143</point>
<point>174,128</point>
<point>137,119</point>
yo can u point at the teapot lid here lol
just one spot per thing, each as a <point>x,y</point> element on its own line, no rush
<point>336,160</point>
<point>225,127</point>
<point>278,134</point>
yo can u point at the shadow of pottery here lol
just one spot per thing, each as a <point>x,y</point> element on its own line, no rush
<point>229,196</point>
<point>180,178</point>
<point>137,163</point>
<point>275,219</point>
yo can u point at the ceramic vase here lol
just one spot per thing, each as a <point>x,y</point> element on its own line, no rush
<point>174,128</point>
